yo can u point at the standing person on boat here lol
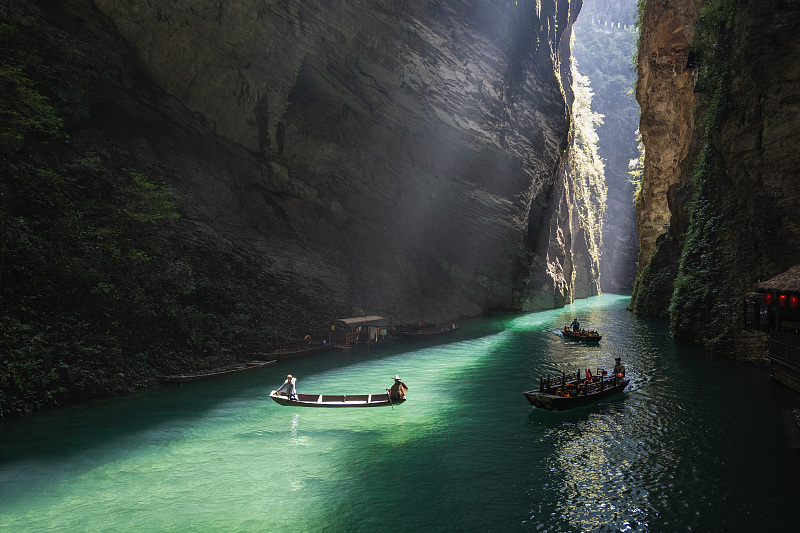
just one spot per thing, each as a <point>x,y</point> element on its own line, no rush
<point>398,390</point>
<point>291,391</point>
<point>619,368</point>
<point>575,325</point>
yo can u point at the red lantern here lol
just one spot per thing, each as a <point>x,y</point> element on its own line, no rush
<point>768,298</point>
<point>782,300</point>
<point>793,301</point>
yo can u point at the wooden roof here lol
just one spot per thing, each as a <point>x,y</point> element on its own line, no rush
<point>789,281</point>
<point>360,320</point>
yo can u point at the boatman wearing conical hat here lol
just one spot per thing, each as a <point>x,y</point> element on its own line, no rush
<point>398,390</point>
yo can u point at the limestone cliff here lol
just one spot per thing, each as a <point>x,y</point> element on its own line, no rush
<point>742,224</point>
<point>402,158</point>
<point>665,92</point>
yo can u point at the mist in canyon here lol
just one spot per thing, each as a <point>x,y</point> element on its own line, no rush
<point>604,47</point>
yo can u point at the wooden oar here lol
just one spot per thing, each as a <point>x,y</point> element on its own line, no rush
<point>389,395</point>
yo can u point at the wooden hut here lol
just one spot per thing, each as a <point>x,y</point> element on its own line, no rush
<point>361,332</point>
<point>775,309</point>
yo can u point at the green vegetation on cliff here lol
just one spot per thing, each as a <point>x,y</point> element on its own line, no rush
<point>705,263</point>
<point>702,307</point>
<point>590,187</point>
<point>98,295</point>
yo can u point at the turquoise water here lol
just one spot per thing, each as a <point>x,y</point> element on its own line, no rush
<point>694,444</point>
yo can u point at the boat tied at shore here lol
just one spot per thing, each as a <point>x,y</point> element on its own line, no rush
<point>428,331</point>
<point>219,371</point>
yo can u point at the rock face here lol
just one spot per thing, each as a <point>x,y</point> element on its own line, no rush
<point>403,158</point>
<point>665,92</point>
<point>743,227</point>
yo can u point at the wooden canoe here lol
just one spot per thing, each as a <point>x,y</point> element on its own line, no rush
<point>335,400</point>
<point>221,371</point>
<point>578,336</point>
<point>560,394</point>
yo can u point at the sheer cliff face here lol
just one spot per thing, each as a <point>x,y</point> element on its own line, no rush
<point>404,158</point>
<point>665,92</point>
<point>743,226</point>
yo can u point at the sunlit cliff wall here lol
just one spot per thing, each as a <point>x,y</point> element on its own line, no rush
<point>665,92</point>
<point>720,197</point>
<point>403,158</point>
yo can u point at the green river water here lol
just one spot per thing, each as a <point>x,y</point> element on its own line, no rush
<point>695,443</point>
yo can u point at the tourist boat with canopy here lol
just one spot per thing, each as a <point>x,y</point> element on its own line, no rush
<point>569,391</point>
<point>336,400</point>
<point>582,335</point>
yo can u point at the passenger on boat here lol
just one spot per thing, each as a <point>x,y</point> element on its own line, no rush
<point>576,325</point>
<point>291,391</point>
<point>619,368</point>
<point>398,390</point>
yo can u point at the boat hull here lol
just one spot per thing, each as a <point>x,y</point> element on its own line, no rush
<point>282,354</point>
<point>428,334</point>
<point>233,369</point>
<point>335,400</point>
<point>578,337</point>
<point>552,402</point>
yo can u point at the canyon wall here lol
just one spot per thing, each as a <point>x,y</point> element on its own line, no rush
<point>402,158</point>
<point>665,92</point>
<point>719,202</point>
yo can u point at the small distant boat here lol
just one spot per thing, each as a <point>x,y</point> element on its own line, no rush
<point>423,332</point>
<point>584,336</point>
<point>220,371</point>
<point>565,392</point>
<point>335,400</point>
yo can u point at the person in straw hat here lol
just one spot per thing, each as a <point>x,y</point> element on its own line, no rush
<point>398,390</point>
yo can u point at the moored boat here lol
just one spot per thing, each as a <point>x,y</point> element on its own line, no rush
<point>336,400</point>
<point>582,335</point>
<point>220,371</point>
<point>428,332</point>
<point>300,349</point>
<point>565,392</point>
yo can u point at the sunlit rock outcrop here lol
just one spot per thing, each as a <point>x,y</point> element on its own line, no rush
<point>400,158</point>
<point>665,91</point>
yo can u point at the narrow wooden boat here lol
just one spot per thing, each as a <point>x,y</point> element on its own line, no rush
<point>335,400</point>
<point>220,371</point>
<point>300,350</point>
<point>429,333</point>
<point>564,392</point>
<point>581,336</point>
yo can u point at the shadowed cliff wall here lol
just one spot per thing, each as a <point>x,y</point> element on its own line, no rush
<point>230,176</point>
<point>234,175</point>
<point>720,206</point>
<point>399,158</point>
